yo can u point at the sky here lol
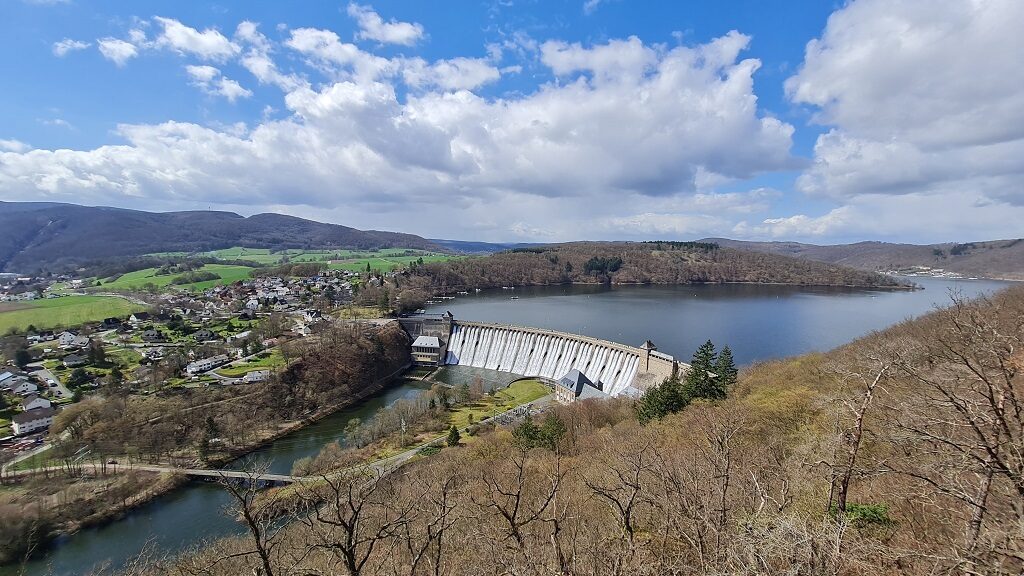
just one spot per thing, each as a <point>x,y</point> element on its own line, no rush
<point>528,121</point>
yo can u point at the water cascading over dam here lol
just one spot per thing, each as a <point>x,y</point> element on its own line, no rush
<point>548,354</point>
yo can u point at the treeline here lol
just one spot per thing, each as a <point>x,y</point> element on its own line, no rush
<point>900,453</point>
<point>298,269</point>
<point>631,263</point>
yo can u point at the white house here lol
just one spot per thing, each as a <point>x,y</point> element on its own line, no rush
<point>32,420</point>
<point>24,387</point>
<point>206,364</point>
<point>257,376</point>
<point>66,338</point>
<point>31,402</point>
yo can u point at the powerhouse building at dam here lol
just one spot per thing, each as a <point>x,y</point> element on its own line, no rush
<point>580,366</point>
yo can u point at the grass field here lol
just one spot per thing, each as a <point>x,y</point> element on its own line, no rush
<point>64,312</point>
<point>140,278</point>
<point>383,260</point>
<point>518,393</point>
<point>385,263</point>
<point>272,359</point>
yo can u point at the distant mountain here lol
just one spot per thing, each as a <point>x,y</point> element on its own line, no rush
<point>35,235</point>
<point>991,259</point>
<point>468,247</point>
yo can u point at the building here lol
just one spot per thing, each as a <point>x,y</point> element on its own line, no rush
<point>152,335</point>
<point>5,378</point>
<point>206,364</point>
<point>73,361</point>
<point>32,401</point>
<point>576,386</point>
<point>426,351</point>
<point>139,317</point>
<point>257,376</point>
<point>205,335</point>
<point>32,420</point>
<point>22,387</point>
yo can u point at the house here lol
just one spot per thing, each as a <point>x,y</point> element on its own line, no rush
<point>206,364</point>
<point>80,342</point>
<point>32,420</point>
<point>5,377</point>
<point>152,335</point>
<point>66,338</point>
<point>205,335</point>
<point>311,316</point>
<point>576,386</point>
<point>33,401</point>
<point>247,315</point>
<point>257,376</point>
<point>23,387</point>
<point>74,361</point>
<point>426,351</point>
<point>139,317</point>
<point>252,305</point>
<point>112,323</point>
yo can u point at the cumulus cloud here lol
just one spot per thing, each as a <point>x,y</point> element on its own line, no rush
<point>13,146</point>
<point>209,44</point>
<point>116,50</point>
<point>373,27</point>
<point>921,98</point>
<point>212,82</point>
<point>66,45</point>
<point>628,129</point>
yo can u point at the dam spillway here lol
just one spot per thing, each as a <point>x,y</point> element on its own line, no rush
<point>548,354</point>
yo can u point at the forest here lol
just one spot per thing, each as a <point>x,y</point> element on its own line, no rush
<point>899,453</point>
<point>630,263</point>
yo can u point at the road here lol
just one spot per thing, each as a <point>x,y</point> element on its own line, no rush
<point>45,375</point>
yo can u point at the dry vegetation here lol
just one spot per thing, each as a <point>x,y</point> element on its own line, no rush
<point>901,453</point>
<point>626,263</point>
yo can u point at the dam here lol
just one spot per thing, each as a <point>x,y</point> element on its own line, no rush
<point>614,368</point>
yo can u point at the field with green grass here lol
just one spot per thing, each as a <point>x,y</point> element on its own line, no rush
<point>141,278</point>
<point>63,312</point>
<point>516,394</point>
<point>263,361</point>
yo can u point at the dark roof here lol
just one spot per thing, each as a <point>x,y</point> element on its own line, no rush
<point>34,414</point>
<point>579,383</point>
<point>141,315</point>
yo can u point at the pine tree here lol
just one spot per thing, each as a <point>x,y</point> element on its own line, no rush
<point>725,370</point>
<point>666,398</point>
<point>700,382</point>
<point>453,436</point>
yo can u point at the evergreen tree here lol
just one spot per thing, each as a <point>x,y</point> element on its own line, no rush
<point>527,433</point>
<point>453,436</point>
<point>700,380</point>
<point>725,370</point>
<point>666,398</point>
<point>22,357</point>
<point>551,432</point>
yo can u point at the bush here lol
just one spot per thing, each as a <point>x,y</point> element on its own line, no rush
<point>867,515</point>
<point>429,450</point>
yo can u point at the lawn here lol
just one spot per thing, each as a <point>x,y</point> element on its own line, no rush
<point>518,393</point>
<point>140,278</point>
<point>385,263</point>
<point>65,312</point>
<point>262,361</point>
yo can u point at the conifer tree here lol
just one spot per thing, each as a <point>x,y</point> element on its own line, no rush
<point>453,436</point>
<point>725,370</point>
<point>700,380</point>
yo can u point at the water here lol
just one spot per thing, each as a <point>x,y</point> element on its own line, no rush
<point>758,322</point>
<point>177,520</point>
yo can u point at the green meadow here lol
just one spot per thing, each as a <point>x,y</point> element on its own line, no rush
<point>66,311</point>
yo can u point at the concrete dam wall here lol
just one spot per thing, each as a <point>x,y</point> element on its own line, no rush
<point>549,354</point>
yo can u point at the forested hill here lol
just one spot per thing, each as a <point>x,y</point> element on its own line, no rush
<point>635,263</point>
<point>991,259</point>
<point>37,234</point>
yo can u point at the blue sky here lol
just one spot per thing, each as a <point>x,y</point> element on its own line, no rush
<point>513,120</point>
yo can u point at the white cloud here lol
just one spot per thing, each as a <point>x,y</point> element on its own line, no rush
<point>209,44</point>
<point>257,59</point>
<point>630,136</point>
<point>59,122</point>
<point>66,45</point>
<point>13,146</point>
<point>453,74</point>
<point>590,6</point>
<point>922,98</point>
<point>373,27</point>
<point>212,82</point>
<point>117,51</point>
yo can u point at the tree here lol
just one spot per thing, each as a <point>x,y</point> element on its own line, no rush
<point>725,369</point>
<point>462,392</point>
<point>453,436</point>
<point>97,355</point>
<point>701,381</point>
<point>22,357</point>
<point>78,377</point>
<point>666,398</point>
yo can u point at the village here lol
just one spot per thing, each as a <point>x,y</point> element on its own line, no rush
<point>224,335</point>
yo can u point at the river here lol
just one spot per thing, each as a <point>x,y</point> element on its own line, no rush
<point>758,322</point>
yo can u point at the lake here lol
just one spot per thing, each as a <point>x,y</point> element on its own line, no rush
<point>758,322</point>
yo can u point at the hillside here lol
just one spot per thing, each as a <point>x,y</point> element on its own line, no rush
<point>900,453</point>
<point>634,263</point>
<point>991,259</point>
<point>36,235</point>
